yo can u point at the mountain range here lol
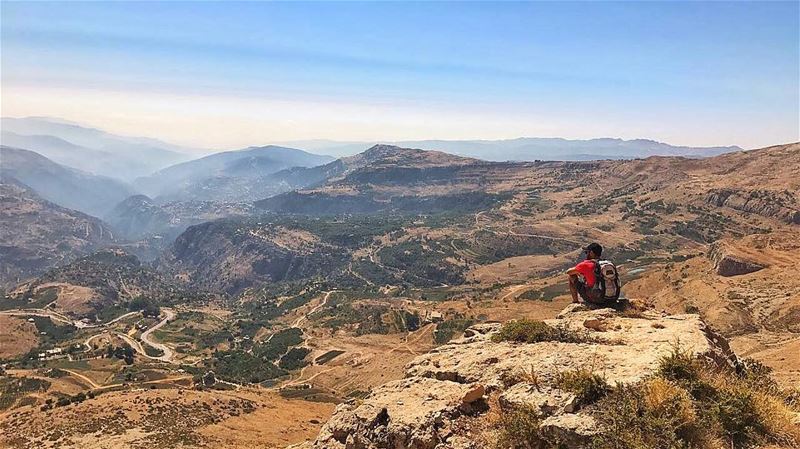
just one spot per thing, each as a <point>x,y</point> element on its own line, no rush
<point>69,187</point>
<point>89,149</point>
<point>527,148</point>
<point>355,285</point>
<point>241,175</point>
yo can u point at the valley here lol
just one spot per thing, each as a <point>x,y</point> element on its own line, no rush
<point>275,308</point>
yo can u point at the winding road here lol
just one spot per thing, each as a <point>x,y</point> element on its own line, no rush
<point>315,309</point>
<point>167,352</point>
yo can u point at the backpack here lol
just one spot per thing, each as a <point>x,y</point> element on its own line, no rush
<point>606,286</point>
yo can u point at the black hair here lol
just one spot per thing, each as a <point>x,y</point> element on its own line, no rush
<point>595,248</point>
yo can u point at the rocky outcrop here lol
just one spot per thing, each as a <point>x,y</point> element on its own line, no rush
<point>728,263</point>
<point>782,205</point>
<point>412,413</point>
<point>447,385</point>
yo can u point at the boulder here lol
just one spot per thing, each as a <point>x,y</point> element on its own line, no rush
<point>409,413</point>
<point>569,429</point>
<point>544,401</point>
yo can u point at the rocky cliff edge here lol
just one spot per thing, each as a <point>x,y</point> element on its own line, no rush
<point>443,390</point>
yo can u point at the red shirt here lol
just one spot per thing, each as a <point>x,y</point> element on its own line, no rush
<point>586,269</point>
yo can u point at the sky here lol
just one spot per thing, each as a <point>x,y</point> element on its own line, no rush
<point>229,75</point>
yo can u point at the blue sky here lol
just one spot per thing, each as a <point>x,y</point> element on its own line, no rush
<point>229,74</point>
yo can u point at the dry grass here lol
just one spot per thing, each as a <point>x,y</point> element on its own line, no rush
<point>686,404</point>
<point>534,331</point>
<point>587,386</point>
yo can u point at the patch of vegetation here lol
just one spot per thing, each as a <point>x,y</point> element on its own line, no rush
<point>29,299</point>
<point>587,386</point>
<point>51,333</point>
<point>447,329</point>
<point>366,318</point>
<point>489,247</point>
<point>547,294</point>
<point>105,270</point>
<point>146,305</point>
<point>110,312</point>
<point>13,388</point>
<point>405,321</point>
<point>437,294</point>
<point>519,429</point>
<point>268,303</point>
<point>294,359</point>
<point>534,331</point>
<point>242,367</point>
<point>425,263</point>
<point>152,351</point>
<point>687,403</point>
<point>279,344</point>
<point>124,352</point>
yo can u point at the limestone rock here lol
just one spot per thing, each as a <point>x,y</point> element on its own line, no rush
<point>423,411</point>
<point>475,393</point>
<point>728,263</point>
<point>544,400</point>
<point>631,349</point>
<point>570,429</point>
<point>409,413</point>
<point>767,203</point>
<point>481,331</point>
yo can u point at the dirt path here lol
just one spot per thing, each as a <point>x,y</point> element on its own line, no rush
<point>315,309</point>
<point>40,312</point>
<point>80,376</point>
<point>300,379</point>
<point>418,335</point>
<point>88,340</point>
<point>513,290</point>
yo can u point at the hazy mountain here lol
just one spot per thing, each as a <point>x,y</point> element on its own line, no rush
<point>385,156</point>
<point>65,186</point>
<point>36,234</point>
<point>387,178</point>
<point>90,149</point>
<point>529,148</point>
<point>139,217</point>
<point>241,175</point>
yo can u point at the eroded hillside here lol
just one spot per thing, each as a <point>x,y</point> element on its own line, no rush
<point>37,234</point>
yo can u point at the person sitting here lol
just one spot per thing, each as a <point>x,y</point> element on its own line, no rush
<point>582,277</point>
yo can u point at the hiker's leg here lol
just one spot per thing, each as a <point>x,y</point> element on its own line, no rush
<point>573,287</point>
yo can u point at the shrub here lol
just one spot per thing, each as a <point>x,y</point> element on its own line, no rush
<point>534,331</point>
<point>633,418</point>
<point>685,404</point>
<point>680,366</point>
<point>587,386</point>
<point>703,406</point>
<point>758,376</point>
<point>152,351</point>
<point>518,429</point>
<point>736,412</point>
